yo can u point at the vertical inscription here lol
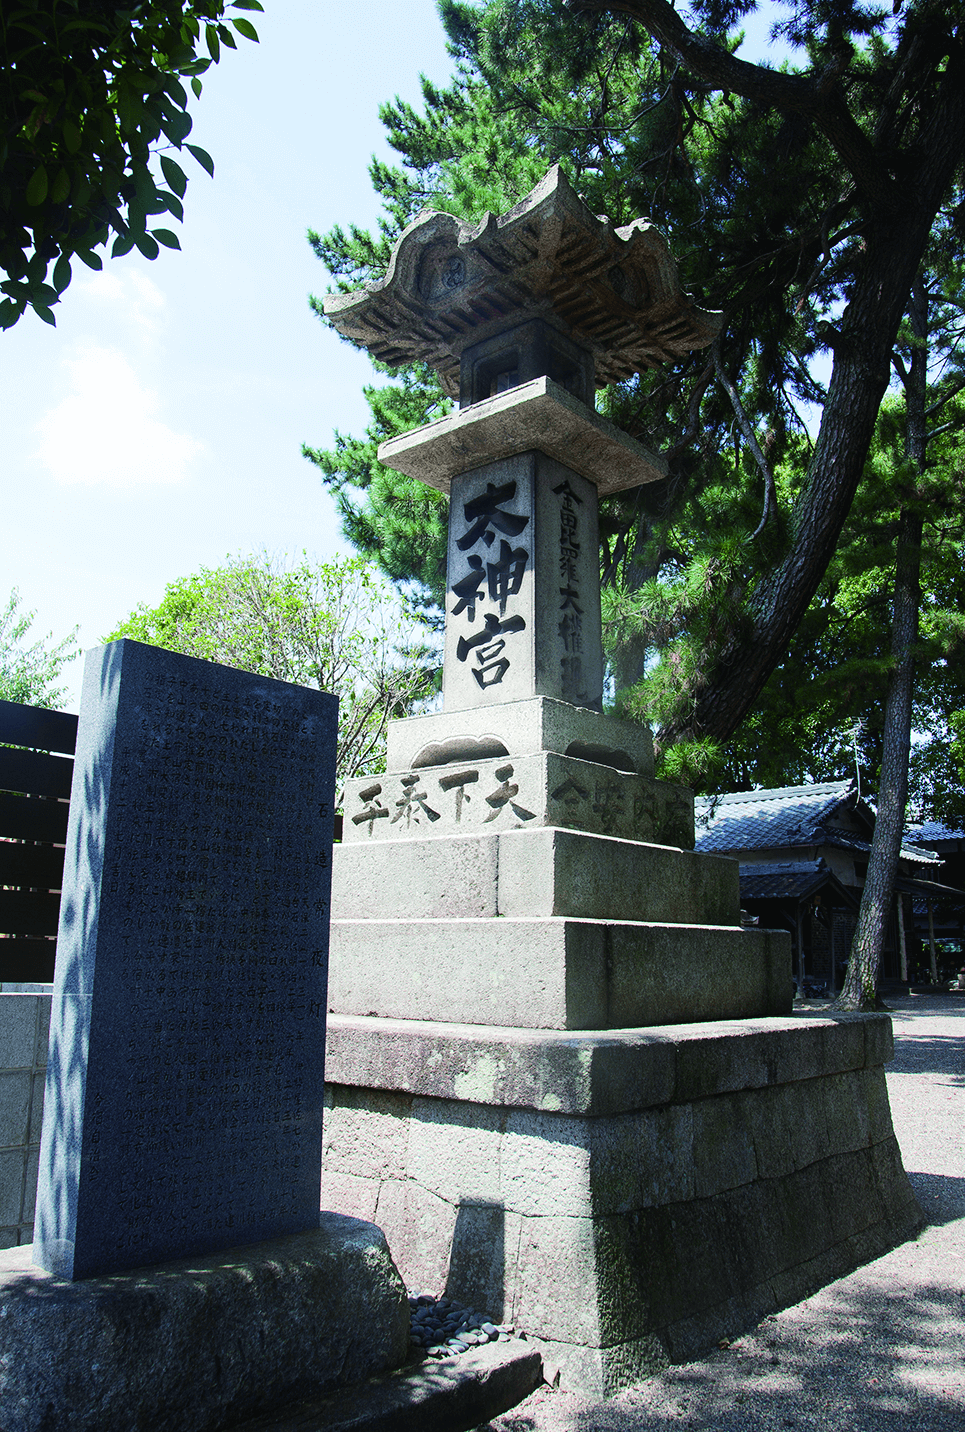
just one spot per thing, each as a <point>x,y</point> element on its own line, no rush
<point>489,617</point>
<point>570,626</point>
<point>497,582</point>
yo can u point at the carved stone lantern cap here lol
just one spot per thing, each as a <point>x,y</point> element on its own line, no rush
<point>451,285</point>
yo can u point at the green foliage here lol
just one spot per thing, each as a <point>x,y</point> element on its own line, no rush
<point>89,91</point>
<point>28,673</point>
<point>331,625</point>
<point>402,523</point>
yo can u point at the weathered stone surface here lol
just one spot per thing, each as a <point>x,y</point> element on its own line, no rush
<point>557,973</point>
<point>520,728</point>
<point>603,1072</point>
<point>532,873</point>
<point>193,1345</point>
<point>179,1117</point>
<point>464,1391</point>
<point>24,1026</point>
<point>539,414</point>
<point>627,1197</point>
<point>451,284</point>
<point>490,796</point>
<point>519,527</point>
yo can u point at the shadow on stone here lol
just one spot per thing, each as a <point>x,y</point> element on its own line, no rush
<point>477,1260</point>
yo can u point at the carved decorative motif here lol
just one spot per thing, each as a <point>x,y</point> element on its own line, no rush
<point>451,284</point>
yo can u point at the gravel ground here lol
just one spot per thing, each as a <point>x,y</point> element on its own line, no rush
<point>882,1349</point>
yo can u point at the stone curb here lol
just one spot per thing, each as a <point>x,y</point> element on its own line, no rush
<point>451,1395</point>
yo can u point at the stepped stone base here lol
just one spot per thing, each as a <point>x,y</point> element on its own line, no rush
<point>531,874</point>
<point>523,728</point>
<point>196,1345</point>
<point>557,973</point>
<point>627,1197</point>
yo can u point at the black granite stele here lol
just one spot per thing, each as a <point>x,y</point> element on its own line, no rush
<point>183,1108</point>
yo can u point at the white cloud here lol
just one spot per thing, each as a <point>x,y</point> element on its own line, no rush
<point>106,432</point>
<point>134,297</point>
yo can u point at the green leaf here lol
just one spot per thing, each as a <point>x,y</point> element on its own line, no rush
<point>173,204</point>
<point>246,28</point>
<point>176,126</point>
<point>196,86</point>
<point>62,273</point>
<point>42,311</point>
<point>247,5</point>
<point>176,91</point>
<point>227,38</point>
<point>174,174</point>
<point>92,260</point>
<point>122,245</point>
<point>202,156</point>
<point>37,188</point>
<point>72,137</point>
<point>9,313</point>
<point>147,246</point>
<point>214,44</point>
<point>60,187</point>
<point>165,237</point>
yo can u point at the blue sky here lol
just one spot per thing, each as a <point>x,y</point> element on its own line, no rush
<point>158,428</point>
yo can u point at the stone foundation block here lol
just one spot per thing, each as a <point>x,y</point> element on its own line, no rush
<point>524,728</point>
<point>557,973</point>
<point>723,1173</point>
<point>531,874</point>
<point>196,1345</point>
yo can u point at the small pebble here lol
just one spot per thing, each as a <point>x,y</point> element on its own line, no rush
<point>441,1327</point>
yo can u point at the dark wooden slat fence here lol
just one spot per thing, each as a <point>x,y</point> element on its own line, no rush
<point>34,791</point>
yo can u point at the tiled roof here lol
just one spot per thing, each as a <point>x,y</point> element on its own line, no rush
<point>783,880</point>
<point>930,830</point>
<point>787,817</point>
<point>772,819</point>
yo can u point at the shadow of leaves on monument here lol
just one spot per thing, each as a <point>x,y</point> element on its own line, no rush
<point>70,1014</point>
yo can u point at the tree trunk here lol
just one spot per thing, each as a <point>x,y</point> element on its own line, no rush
<point>861,982</point>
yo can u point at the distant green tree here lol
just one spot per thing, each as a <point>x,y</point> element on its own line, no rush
<point>332,625</point>
<point>28,673</point>
<point>89,91</point>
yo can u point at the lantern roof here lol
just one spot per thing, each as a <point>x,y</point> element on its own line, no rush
<point>451,285</point>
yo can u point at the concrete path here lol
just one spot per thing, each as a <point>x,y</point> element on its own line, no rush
<point>880,1351</point>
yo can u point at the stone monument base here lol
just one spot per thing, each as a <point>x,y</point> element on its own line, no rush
<point>194,1345</point>
<point>627,1197</point>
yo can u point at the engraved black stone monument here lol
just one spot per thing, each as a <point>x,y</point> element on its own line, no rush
<point>183,1108</point>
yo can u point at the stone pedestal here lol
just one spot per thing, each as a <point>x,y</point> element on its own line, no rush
<point>627,1197</point>
<point>199,1344</point>
<point>561,1075</point>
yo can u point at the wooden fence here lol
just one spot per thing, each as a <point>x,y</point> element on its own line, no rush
<point>34,801</point>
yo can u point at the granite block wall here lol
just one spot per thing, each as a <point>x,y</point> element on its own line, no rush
<point>24,1028</point>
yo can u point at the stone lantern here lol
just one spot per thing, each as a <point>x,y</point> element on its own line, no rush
<point>523,317</point>
<point>562,1076</point>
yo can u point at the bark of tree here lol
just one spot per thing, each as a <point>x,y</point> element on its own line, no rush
<point>878,897</point>
<point>900,185</point>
